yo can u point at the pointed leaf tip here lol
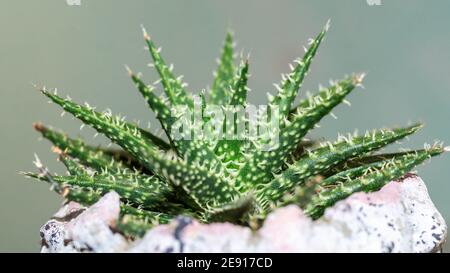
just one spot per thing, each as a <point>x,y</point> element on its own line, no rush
<point>128,69</point>
<point>38,126</point>
<point>145,33</point>
<point>359,78</point>
<point>328,24</point>
<point>417,126</point>
<point>37,162</point>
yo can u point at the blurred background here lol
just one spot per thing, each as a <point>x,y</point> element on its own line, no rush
<point>403,45</point>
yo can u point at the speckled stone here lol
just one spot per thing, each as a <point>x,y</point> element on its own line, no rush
<point>76,229</point>
<point>399,218</point>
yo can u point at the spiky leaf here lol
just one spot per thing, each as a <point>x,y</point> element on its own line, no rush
<point>173,86</point>
<point>373,181</point>
<point>220,92</point>
<point>93,157</point>
<point>293,81</point>
<point>259,168</point>
<point>322,159</point>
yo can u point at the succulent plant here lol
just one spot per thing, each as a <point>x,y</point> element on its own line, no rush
<point>234,180</point>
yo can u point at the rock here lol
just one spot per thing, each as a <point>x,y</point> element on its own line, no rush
<point>186,235</point>
<point>75,229</point>
<point>399,218</point>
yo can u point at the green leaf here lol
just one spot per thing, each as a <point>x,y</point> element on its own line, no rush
<point>261,164</point>
<point>292,82</point>
<point>172,86</point>
<point>195,150</point>
<point>158,106</point>
<point>134,227</point>
<point>304,192</point>
<point>220,92</point>
<point>204,187</point>
<point>374,181</point>
<point>361,161</point>
<point>149,192</point>
<point>324,158</point>
<point>93,157</point>
<point>72,167</point>
<point>239,86</point>
<point>199,182</point>
<point>232,149</point>
<point>200,153</point>
<point>146,215</point>
<point>135,222</point>
<point>83,196</point>
<point>115,128</point>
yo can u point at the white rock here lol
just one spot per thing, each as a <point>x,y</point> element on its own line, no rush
<point>399,218</point>
<point>75,229</point>
<point>186,235</point>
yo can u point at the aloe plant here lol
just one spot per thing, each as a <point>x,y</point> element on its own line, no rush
<point>233,180</point>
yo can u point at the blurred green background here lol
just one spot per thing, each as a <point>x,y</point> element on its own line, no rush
<point>403,45</point>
